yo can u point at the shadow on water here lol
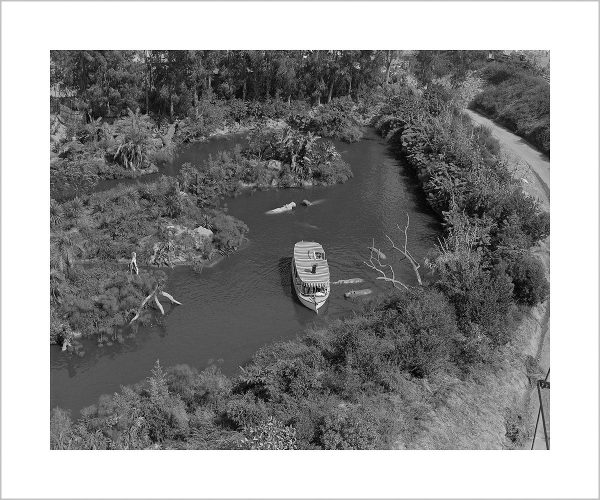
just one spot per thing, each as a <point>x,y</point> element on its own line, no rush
<point>285,275</point>
<point>418,197</point>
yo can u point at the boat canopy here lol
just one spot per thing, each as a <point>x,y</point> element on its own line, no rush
<point>311,263</point>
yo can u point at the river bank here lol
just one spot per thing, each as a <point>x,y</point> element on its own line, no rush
<point>468,417</point>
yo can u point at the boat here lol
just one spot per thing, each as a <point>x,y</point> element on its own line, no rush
<point>310,274</point>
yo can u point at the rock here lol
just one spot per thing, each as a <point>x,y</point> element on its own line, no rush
<point>306,203</point>
<point>274,165</point>
<point>204,232</point>
<point>307,184</point>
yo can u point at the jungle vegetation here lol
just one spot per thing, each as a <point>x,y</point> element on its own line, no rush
<point>383,378</point>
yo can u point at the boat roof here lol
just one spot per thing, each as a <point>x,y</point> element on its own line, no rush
<point>304,257</point>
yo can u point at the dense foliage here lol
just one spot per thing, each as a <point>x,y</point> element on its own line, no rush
<point>339,119</point>
<point>519,100</point>
<point>87,153</point>
<point>487,215</point>
<point>178,83</point>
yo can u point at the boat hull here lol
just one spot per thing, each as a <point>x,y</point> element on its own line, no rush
<point>314,303</point>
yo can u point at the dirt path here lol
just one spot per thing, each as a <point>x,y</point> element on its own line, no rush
<point>533,168</point>
<point>536,165</point>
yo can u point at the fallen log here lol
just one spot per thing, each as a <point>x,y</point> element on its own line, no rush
<point>348,282</point>
<point>357,293</point>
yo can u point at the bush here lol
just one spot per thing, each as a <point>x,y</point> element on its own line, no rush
<point>60,430</point>
<point>337,120</point>
<point>269,435</point>
<point>425,332</point>
<point>229,232</point>
<point>529,279</point>
<point>348,428</point>
<point>304,157</point>
<point>203,120</point>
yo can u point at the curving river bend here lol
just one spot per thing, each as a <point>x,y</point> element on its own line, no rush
<point>246,301</point>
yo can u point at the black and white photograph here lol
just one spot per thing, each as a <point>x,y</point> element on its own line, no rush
<point>299,246</point>
<point>299,249</point>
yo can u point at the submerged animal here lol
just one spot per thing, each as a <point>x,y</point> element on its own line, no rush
<point>285,208</point>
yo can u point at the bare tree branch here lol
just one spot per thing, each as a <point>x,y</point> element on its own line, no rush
<point>375,262</point>
<point>154,294</point>
<point>159,305</point>
<point>413,262</point>
<point>170,297</point>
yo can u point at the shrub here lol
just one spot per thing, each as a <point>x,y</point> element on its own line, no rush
<point>338,120</point>
<point>303,155</point>
<point>348,428</point>
<point>203,120</point>
<point>529,279</point>
<point>60,430</point>
<point>269,435</point>
<point>481,295</point>
<point>425,332</point>
<point>229,232</point>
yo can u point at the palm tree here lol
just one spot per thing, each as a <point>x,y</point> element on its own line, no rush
<point>65,249</point>
<point>56,281</point>
<point>56,213</point>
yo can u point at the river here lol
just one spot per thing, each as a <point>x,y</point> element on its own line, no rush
<point>246,301</point>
